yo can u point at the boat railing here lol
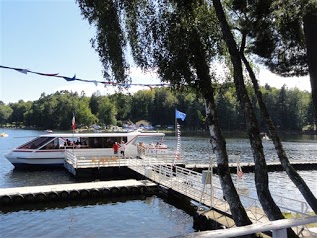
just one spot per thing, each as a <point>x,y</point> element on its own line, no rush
<point>93,159</point>
<point>70,158</point>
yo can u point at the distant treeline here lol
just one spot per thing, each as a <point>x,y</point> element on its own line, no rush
<point>290,109</point>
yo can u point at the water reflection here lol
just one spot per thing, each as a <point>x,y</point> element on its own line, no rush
<point>149,217</point>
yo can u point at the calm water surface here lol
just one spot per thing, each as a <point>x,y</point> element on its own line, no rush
<point>150,217</point>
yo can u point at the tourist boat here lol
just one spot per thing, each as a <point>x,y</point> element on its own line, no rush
<point>50,149</point>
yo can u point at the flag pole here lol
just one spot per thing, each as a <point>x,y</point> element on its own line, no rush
<point>175,126</point>
<point>73,128</point>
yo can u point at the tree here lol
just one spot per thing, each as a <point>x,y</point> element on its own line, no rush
<point>261,178</point>
<point>141,105</point>
<point>179,40</point>
<point>245,23</point>
<point>163,107</point>
<point>5,112</point>
<point>106,112</point>
<point>55,111</point>
<point>94,102</point>
<point>83,113</point>
<point>110,41</point>
<point>286,45</point>
<point>19,110</point>
<point>122,103</point>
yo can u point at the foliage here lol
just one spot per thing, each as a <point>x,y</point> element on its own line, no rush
<point>5,112</point>
<point>282,33</point>
<point>110,40</point>
<point>280,42</point>
<point>290,109</point>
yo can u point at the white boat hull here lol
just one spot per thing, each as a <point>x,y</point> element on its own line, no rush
<point>49,150</point>
<point>54,158</point>
<point>36,158</point>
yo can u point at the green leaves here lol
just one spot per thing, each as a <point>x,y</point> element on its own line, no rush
<point>110,41</point>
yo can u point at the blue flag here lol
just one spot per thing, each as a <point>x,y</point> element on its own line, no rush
<point>180,115</point>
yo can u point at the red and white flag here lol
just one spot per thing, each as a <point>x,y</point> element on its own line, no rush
<point>73,122</point>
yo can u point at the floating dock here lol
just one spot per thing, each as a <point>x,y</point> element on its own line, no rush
<point>249,167</point>
<point>34,194</point>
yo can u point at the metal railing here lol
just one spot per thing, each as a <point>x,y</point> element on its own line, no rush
<point>277,227</point>
<point>190,184</point>
<point>93,160</point>
<point>162,169</point>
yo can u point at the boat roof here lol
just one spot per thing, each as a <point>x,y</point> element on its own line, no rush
<point>111,134</point>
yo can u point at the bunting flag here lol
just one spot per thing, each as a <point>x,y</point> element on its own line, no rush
<point>180,115</point>
<point>178,146</point>
<point>74,78</point>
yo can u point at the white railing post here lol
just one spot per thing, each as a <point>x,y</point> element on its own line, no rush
<point>280,233</point>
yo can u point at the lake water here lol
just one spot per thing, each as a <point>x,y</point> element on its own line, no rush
<point>146,217</point>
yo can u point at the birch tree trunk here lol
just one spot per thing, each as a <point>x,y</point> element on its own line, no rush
<point>291,172</point>
<point>261,177</point>
<point>216,138</point>
<point>310,26</point>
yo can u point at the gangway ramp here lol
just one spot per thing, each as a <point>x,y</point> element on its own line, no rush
<point>190,184</point>
<point>163,170</point>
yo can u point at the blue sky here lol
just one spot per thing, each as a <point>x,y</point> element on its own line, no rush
<point>50,36</point>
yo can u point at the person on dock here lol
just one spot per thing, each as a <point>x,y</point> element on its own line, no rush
<point>115,148</point>
<point>122,148</point>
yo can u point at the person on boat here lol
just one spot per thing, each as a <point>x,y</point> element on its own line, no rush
<point>115,148</point>
<point>122,148</point>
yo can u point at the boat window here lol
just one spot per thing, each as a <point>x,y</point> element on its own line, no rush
<point>71,142</point>
<point>55,144</point>
<point>36,143</point>
<point>104,142</point>
<point>149,140</point>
